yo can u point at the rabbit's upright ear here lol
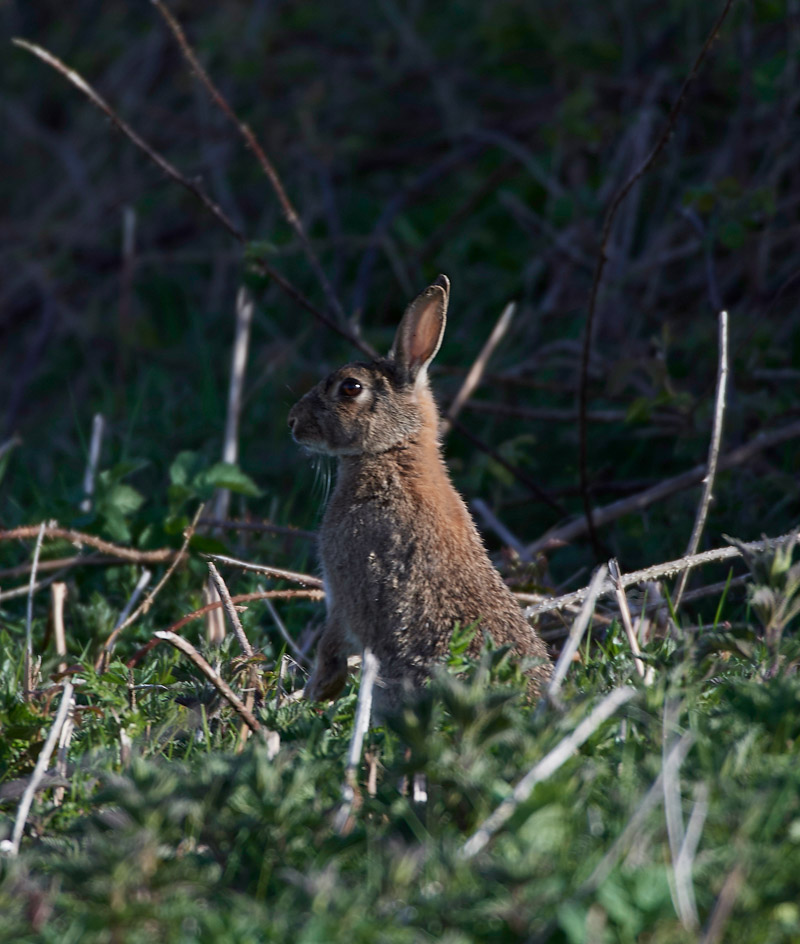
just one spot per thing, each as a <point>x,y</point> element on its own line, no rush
<point>420,333</point>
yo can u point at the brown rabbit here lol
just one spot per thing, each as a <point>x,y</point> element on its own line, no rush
<point>401,557</point>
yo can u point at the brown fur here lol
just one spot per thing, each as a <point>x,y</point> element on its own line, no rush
<point>402,559</point>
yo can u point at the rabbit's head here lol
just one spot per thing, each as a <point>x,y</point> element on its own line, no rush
<point>369,408</point>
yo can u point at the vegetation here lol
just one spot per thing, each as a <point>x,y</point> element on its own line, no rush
<point>486,141</point>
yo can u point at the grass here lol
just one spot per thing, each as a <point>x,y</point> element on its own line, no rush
<point>488,149</point>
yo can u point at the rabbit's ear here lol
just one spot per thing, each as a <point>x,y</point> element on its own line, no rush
<point>420,332</point>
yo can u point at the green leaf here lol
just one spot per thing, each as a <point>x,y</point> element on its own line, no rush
<point>227,475</point>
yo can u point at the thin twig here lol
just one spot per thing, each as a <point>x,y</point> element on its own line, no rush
<point>278,573</point>
<point>668,569</point>
<point>216,680</point>
<point>239,598</point>
<point>78,538</point>
<point>266,164</point>
<point>29,616</point>
<point>369,673</point>
<point>713,454</point>
<point>547,766</point>
<point>476,372</point>
<point>685,861</point>
<point>169,169</point>
<point>576,632</point>
<point>625,613</point>
<point>230,610</point>
<point>11,847</point>
<point>123,624</point>
<point>125,619</point>
<point>58,592</point>
<point>641,500</point>
<point>621,194</point>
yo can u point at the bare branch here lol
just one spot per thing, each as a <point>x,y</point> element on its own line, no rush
<point>266,164</point>
<point>713,454</point>
<point>476,372</point>
<point>169,169</point>
<point>79,538</point>
<point>632,503</point>
<point>625,613</point>
<point>230,610</point>
<point>216,680</point>
<point>668,569</point>
<point>305,580</point>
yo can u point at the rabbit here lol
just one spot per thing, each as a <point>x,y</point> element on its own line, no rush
<point>402,560</point>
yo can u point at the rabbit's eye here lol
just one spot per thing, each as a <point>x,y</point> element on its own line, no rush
<point>350,387</point>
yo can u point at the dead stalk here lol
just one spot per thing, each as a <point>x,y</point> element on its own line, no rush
<point>278,573</point>
<point>230,610</point>
<point>98,425</point>
<point>713,454</point>
<point>29,615</point>
<point>625,614</point>
<point>476,372</point>
<point>58,594</point>
<point>10,847</point>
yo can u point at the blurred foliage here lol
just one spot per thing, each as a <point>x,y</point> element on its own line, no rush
<point>484,140</point>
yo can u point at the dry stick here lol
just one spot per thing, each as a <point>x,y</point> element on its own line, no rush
<point>260,265</point>
<point>267,166</point>
<point>98,424</point>
<point>713,454</point>
<point>652,798</point>
<point>215,626</point>
<point>621,194</point>
<point>216,680</point>
<point>58,563</point>
<point>58,592</point>
<point>576,632</point>
<point>125,619</point>
<point>476,372</point>
<point>624,506</point>
<point>278,573</point>
<point>79,538</point>
<point>369,673</point>
<point>230,610</point>
<point>548,765</point>
<point>64,739</point>
<point>123,624</point>
<point>29,615</point>
<point>11,847</point>
<point>667,569</point>
<point>625,613</point>
<point>239,598</point>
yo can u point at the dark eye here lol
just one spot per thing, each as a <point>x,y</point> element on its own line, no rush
<point>350,387</point>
